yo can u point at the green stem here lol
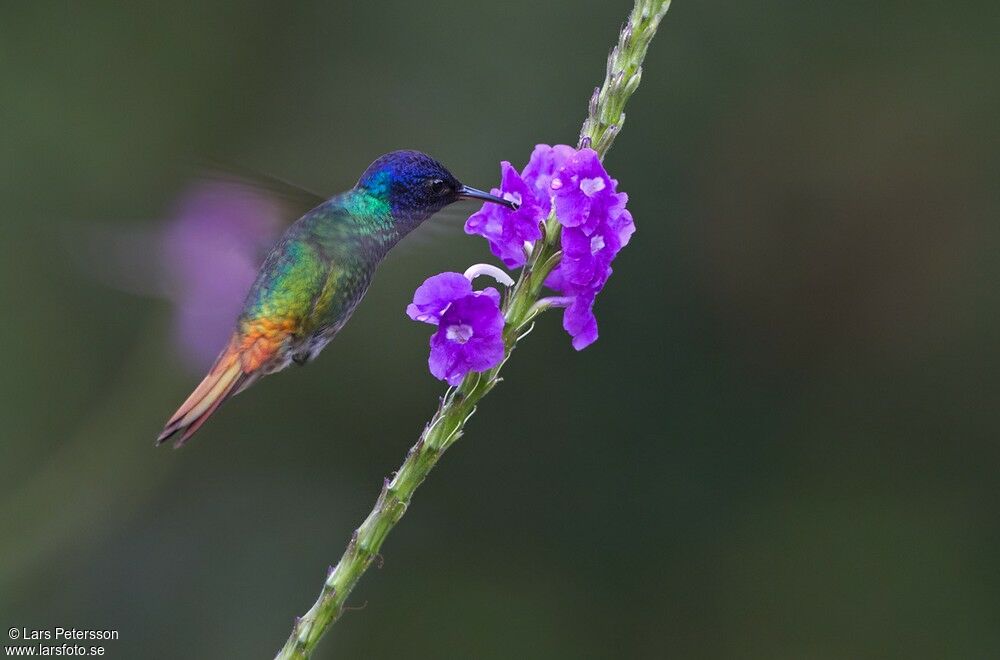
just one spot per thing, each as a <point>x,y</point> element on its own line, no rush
<point>604,121</point>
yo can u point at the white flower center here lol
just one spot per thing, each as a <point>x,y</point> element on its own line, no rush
<point>596,244</point>
<point>459,333</point>
<point>513,197</point>
<point>591,187</point>
<point>556,184</point>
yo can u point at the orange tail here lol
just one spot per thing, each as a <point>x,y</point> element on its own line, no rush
<point>225,379</point>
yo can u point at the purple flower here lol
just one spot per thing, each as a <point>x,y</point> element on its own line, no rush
<point>595,226</point>
<point>541,167</point>
<point>582,191</point>
<point>470,325</point>
<point>510,232</point>
<point>586,260</point>
<point>507,231</point>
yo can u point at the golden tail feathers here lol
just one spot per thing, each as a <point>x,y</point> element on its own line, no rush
<point>225,379</point>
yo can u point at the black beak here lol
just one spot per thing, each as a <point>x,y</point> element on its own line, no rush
<point>465,192</point>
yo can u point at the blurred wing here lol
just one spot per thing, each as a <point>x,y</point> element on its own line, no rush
<point>203,255</point>
<point>293,199</point>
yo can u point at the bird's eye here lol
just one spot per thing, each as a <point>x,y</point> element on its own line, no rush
<point>438,186</point>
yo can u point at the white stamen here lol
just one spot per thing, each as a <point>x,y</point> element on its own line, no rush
<point>500,276</point>
<point>556,184</point>
<point>459,333</point>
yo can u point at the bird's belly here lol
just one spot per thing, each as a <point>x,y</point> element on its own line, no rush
<point>311,345</point>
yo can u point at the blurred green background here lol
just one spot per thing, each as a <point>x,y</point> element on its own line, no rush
<point>784,445</point>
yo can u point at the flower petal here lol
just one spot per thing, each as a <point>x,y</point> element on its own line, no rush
<point>434,296</point>
<point>579,321</point>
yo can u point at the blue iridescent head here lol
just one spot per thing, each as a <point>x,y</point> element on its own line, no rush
<point>417,186</point>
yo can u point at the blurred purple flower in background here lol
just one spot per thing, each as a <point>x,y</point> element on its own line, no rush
<point>470,325</point>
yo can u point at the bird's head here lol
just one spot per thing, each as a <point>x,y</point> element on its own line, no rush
<point>416,186</point>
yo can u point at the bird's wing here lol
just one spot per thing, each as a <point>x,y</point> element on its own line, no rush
<point>346,283</point>
<point>296,199</point>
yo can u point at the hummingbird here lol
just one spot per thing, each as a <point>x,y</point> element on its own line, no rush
<point>314,277</point>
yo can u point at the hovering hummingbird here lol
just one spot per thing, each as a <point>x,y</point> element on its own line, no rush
<point>314,277</point>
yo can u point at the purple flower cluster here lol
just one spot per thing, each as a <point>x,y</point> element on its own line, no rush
<point>574,186</point>
<point>470,325</point>
<point>595,226</point>
<point>511,233</point>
